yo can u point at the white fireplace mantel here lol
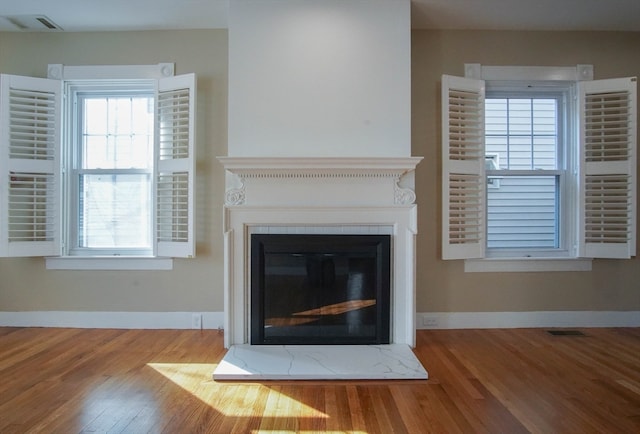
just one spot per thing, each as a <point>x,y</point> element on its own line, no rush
<point>321,180</point>
<point>354,166</point>
<point>319,195</point>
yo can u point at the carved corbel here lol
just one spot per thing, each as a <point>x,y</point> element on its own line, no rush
<point>403,196</point>
<point>235,196</point>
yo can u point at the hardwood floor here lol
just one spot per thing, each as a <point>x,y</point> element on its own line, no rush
<point>495,381</point>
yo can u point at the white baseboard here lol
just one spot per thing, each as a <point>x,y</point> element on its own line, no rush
<point>483,320</point>
<point>424,320</point>
<point>118,320</point>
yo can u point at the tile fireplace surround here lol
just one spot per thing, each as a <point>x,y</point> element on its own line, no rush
<point>319,195</point>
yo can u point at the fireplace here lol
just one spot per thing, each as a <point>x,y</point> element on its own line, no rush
<point>320,289</point>
<point>319,196</point>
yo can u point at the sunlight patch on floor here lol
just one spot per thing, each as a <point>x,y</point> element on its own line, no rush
<point>234,400</point>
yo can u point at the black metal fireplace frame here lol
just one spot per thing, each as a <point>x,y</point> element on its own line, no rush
<point>320,244</point>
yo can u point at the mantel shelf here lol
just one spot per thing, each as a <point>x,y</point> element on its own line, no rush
<point>310,166</point>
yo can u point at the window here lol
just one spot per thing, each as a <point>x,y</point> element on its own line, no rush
<point>531,171</point>
<point>108,172</point>
<point>111,169</point>
<point>525,192</point>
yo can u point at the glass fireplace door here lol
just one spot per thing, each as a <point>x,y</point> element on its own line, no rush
<point>320,289</point>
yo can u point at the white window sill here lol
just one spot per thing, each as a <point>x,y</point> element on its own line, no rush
<point>526,265</point>
<point>108,263</point>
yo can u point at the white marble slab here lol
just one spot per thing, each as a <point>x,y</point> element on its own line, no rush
<point>320,362</point>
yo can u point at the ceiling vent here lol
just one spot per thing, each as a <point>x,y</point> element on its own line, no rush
<point>32,23</point>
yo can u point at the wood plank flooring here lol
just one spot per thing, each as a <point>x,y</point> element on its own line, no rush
<point>159,381</point>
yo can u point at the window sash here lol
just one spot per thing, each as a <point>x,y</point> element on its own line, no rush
<point>535,136</point>
<point>524,213</point>
<point>116,219</point>
<point>112,132</point>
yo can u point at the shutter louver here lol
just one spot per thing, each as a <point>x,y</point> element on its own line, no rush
<point>463,209</point>
<point>29,167</point>
<point>31,197</point>
<point>465,205</point>
<point>608,168</point>
<point>173,205</point>
<point>175,144</point>
<point>607,200</point>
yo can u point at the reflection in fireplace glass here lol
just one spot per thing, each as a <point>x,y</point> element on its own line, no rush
<point>320,289</point>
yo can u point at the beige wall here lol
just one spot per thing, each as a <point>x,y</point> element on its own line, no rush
<point>196,285</point>
<point>193,285</point>
<point>442,285</point>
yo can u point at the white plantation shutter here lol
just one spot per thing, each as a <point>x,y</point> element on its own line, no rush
<point>29,166</point>
<point>463,177</point>
<point>608,111</point>
<point>175,166</point>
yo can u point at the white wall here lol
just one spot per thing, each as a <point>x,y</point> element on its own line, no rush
<point>312,78</point>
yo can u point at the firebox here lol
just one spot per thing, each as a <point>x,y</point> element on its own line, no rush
<point>320,289</point>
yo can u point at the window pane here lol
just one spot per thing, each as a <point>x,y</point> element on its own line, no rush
<point>117,132</point>
<point>544,116</point>
<point>519,116</point>
<point>114,211</point>
<point>522,212</point>
<point>496,117</point>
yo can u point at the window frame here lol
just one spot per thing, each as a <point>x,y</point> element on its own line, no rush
<point>564,93</point>
<point>75,91</point>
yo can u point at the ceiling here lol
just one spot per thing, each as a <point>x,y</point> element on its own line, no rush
<point>114,15</point>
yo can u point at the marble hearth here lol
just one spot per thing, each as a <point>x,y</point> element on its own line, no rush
<point>304,362</point>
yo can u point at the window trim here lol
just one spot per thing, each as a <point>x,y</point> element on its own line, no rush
<point>110,72</point>
<point>108,263</point>
<point>528,73</point>
<point>537,264</point>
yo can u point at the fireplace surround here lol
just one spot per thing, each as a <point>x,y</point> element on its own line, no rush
<point>316,195</point>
